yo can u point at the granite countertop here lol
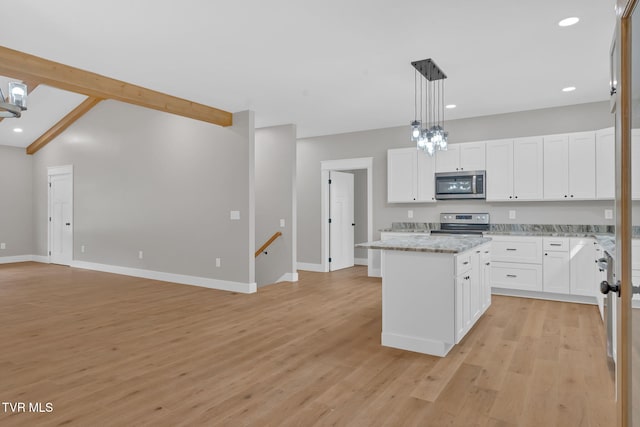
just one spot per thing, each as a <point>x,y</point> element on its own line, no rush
<point>439,244</point>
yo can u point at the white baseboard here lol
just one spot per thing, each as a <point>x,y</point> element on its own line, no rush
<point>223,285</point>
<point>15,258</point>
<point>310,267</point>
<point>288,277</point>
<point>41,258</point>
<point>361,261</point>
<point>580,299</point>
<point>375,272</point>
<point>417,344</point>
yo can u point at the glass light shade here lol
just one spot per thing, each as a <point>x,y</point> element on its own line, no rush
<point>415,130</point>
<point>430,149</point>
<point>18,95</point>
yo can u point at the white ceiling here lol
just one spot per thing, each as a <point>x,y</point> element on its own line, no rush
<point>328,66</point>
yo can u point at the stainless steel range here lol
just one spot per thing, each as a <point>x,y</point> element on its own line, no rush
<point>463,223</point>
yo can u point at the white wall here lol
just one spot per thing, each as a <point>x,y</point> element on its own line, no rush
<point>16,201</point>
<point>156,182</point>
<point>275,200</point>
<point>374,143</point>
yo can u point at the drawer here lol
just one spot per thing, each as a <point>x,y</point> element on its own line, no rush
<point>555,244</point>
<point>526,277</point>
<point>463,262</point>
<point>516,249</point>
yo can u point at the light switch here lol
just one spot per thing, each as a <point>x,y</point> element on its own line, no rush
<point>235,215</point>
<point>82,248</point>
<point>608,214</point>
<point>282,223</point>
<point>3,246</point>
<point>512,214</point>
<point>140,255</point>
<point>410,213</point>
<point>217,262</point>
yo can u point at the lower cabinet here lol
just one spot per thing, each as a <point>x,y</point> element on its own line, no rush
<point>555,265</point>
<point>473,288</point>
<point>524,277</point>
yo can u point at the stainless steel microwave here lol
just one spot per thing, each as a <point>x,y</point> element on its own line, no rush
<point>461,185</point>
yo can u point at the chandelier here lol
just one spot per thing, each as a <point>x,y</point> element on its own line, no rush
<point>13,105</point>
<point>427,131</point>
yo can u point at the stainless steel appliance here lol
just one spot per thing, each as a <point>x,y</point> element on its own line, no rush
<point>461,185</point>
<point>463,223</point>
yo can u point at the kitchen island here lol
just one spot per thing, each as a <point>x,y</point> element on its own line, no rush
<point>434,289</point>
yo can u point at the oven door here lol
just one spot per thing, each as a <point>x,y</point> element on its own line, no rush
<point>460,185</point>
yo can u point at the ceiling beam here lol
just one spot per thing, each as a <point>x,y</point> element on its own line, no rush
<point>62,125</point>
<point>29,67</point>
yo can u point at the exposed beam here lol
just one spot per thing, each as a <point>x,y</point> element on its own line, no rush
<point>24,66</point>
<point>31,85</point>
<point>62,125</point>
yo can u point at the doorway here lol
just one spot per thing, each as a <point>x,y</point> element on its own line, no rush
<point>327,168</point>
<point>60,203</point>
<point>341,220</point>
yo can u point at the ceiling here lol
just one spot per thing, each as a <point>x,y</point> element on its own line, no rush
<point>329,67</point>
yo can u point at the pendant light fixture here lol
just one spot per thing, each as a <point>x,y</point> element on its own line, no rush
<point>15,103</point>
<point>428,131</point>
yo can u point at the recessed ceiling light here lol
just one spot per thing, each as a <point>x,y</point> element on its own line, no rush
<point>567,22</point>
<point>450,106</point>
<point>569,89</point>
<point>17,130</point>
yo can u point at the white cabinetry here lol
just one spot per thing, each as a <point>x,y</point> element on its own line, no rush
<point>469,156</point>
<point>409,176</point>
<point>605,164</point>
<point>514,169</point>
<point>555,265</point>
<point>570,166</point>
<point>583,266</point>
<point>473,295</point>
<point>516,262</point>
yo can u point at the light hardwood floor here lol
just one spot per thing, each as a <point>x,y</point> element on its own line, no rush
<point>115,350</point>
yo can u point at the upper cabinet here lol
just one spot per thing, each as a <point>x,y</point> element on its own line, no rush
<point>410,176</point>
<point>605,164</point>
<point>570,166</point>
<point>469,156</point>
<point>514,169</point>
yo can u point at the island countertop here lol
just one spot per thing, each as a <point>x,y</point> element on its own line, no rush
<point>437,244</point>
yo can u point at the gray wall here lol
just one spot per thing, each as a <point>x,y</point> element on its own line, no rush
<point>360,210</point>
<point>156,182</point>
<point>16,200</point>
<point>375,143</point>
<point>275,200</point>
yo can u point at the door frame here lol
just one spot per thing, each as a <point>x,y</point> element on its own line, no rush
<point>624,405</point>
<point>54,171</point>
<point>344,165</point>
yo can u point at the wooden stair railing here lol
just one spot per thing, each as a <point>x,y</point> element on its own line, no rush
<point>268,242</point>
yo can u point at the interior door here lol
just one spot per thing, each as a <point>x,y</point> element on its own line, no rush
<point>341,220</point>
<point>61,219</point>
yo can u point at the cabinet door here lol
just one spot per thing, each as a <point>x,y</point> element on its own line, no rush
<point>556,161</point>
<point>582,166</point>
<point>475,287</point>
<point>605,164</point>
<point>555,272</point>
<point>583,277</point>
<point>401,175</point>
<point>635,163</point>
<point>460,325</point>
<point>472,156</point>
<point>426,178</point>
<point>485,264</point>
<point>449,160</point>
<point>499,170</point>
<point>527,168</point>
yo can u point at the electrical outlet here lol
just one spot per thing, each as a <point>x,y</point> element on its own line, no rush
<point>3,246</point>
<point>512,214</point>
<point>282,223</point>
<point>410,213</point>
<point>217,262</point>
<point>235,215</point>
<point>82,248</point>
<point>140,255</point>
<point>608,214</point>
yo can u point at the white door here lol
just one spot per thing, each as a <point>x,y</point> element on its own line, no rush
<point>61,218</point>
<point>341,220</point>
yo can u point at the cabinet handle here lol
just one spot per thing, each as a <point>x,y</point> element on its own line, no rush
<point>516,197</point>
<point>511,249</point>
<point>555,244</point>
<point>546,254</point>
<point>465,263</point>
<point>511,275</point>
<point>565,195</point>
<point>478,252</point>
<point>572,195</point>
<point>487,263</point>
<point>486,252</point>
<point>510,197</point>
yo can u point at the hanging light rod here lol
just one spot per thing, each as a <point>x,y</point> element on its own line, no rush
<point>429,69</point>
